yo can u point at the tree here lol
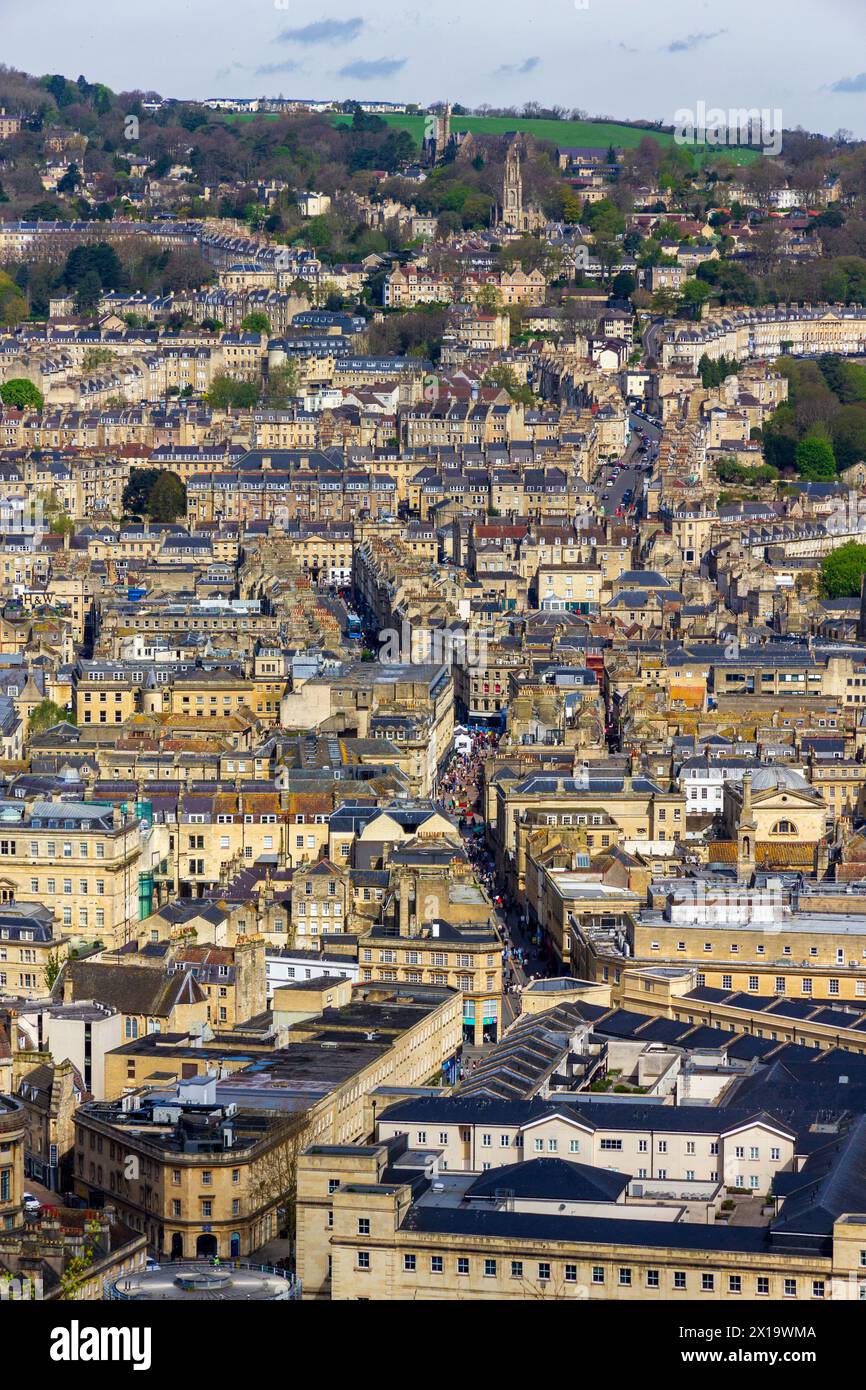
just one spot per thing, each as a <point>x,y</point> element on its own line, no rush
<point>21,393</point>
<point>256,323</point>
<point>96,357</point>
<point>624,284</point>
<point>70,181</point>
<point>842,571</point>
<point>815,460</point>
<point>227,392</point>
<point>849,435</point>
<point>714,371</point>
<point>167,499</point>
<point>77,1272</point>
<point>46,714</point>
<point>136,494</point>
<point>664,302</point>
<point>154,492</point>
<point>605,220</point>
<point>53,965</point>
<point>695,293</point>
<point>13,305</point>
<point>488,299</point>
<point>274,1178</point>
<point>88,293</point>
<point>504,377</point>
<point>282,383</point>
<point>608,253</point>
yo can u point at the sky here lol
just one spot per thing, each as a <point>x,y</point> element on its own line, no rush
<point>621,58</point>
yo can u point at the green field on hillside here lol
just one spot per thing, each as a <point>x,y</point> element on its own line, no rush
<point>570,134</point>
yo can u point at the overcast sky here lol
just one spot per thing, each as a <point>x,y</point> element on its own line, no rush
<point>633,58</point>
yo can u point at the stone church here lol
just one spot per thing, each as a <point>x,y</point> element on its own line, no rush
<point>512,213</point>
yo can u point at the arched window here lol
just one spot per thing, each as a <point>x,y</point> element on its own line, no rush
<point>784,827</point>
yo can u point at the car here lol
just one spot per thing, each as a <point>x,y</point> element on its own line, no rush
<point>31,1204</point>
<point>605,496</point>
<point>152,1265</point>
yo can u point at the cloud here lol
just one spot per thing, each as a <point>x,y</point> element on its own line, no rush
<point>693,41</point>
<point>850,84</point>
<point>267,69</point>
<point>324,31</point>
<point>520,69</point>
<point>369,70</point>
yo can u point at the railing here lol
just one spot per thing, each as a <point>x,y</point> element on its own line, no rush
<point>112,1290</point>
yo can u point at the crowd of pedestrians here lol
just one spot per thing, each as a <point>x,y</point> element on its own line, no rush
<point>459,786</point>
<point>459,793</point>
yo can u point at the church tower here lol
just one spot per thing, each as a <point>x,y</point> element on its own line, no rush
<point>512,190</point>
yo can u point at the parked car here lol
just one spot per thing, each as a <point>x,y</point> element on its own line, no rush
<point>32,1204</point>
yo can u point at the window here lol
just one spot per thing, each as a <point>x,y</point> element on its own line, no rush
<point>543,1271</point>
<point>597,1274</point>
<point>409,1264</point>
<point>571,1274</point>
<point>679,1279</point>
<point>762,1285</point>
<point>363,1259</point>
<point>817,1288</point>
<point>652,1279</point>
<point>574,1146</point>
<point>735,1283</point>
<point>462,1265</point>
<point>708,1282</point>
<point>490,1269</point>
<point>363,1226</point>
<point>611,1144</point>
<point>790,1288</point>
<point>333,1184</point>
<point>436,1264</point>
<point>517,1269</point>
<point>624,1276</point>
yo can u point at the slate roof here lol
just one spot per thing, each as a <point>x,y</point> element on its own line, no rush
<point>131,989</point>
<point>551,1179</point>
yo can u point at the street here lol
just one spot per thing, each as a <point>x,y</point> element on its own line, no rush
<point>459,791</point>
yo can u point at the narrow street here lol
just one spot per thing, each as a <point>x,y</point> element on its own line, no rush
<point>460,795</point>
